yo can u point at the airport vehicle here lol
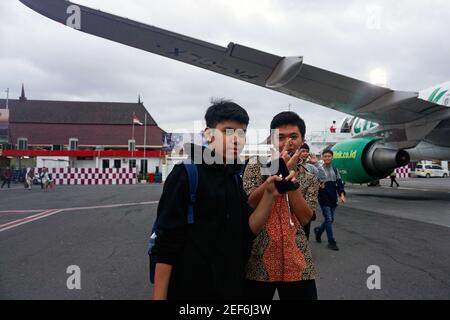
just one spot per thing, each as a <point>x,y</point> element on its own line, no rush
<point>388,127</point>
<point>430,170</point>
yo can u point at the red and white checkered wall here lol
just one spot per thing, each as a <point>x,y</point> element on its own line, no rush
<point>403,172</point>
<point>92,176</point>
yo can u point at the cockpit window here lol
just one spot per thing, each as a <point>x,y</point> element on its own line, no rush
<point>346,126</point>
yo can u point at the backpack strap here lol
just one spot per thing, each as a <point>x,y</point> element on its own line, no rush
<point>192,172</point>
<point>335,172</point>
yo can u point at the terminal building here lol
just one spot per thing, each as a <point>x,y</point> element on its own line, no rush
<point>79,135</point>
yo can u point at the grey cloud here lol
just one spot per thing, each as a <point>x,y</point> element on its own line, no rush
<point>56,62</point>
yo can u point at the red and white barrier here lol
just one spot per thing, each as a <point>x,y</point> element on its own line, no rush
<point>93,176</point>
<point>403,172</point>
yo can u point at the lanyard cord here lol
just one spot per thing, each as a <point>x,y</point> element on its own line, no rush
<point>289,209</point>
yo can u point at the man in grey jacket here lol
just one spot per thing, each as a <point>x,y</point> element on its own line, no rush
<point>328,199</point>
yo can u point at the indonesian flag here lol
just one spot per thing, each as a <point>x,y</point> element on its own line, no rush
<point>136,120</point>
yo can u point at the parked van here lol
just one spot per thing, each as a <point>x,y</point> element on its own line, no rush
<point>430,170</point>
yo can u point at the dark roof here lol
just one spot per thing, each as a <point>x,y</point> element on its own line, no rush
<point>87,134</point>
<point>75,112</point>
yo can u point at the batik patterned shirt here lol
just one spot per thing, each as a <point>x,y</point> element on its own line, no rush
<point>281,251</point>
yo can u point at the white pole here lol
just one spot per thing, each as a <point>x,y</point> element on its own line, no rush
<point>132,149</point>
<point>145,139</point>
<point>133,127</point>
<point>7,97</point>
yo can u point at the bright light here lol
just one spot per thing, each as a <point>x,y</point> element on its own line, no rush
<point>378,77</point>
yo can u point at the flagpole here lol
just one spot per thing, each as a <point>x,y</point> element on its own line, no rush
<point>7,98</point>
<point>145,134</point>
<point>133,125</point>
<point>132,149</point>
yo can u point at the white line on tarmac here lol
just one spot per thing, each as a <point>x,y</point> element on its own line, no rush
<point>405,188</point>
<point>21,211</point>
<point>111,206</point>
<point>16,188</point>
<point>48,213</point>
<point>19,222</point>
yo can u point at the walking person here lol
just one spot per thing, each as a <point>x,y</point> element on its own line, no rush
<point>328,199</point>
<point>393,177</point>
<point>29,178</point>
<point>310,177</point>
<point>7,175</point>
<point>40,177</point>
<point>45,179</point>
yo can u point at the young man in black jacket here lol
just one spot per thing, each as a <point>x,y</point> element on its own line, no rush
<point>206,260</point>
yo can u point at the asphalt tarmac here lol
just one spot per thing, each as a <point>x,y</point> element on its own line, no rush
<point>404,233</point>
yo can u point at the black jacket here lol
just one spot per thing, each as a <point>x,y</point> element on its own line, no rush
<point>209,256</point>
<point>328,196</point>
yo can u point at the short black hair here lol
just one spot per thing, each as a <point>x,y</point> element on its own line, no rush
<point>305,146</point>
<point>224,110</point>
<point>288,118</point>
<point>328,151</point>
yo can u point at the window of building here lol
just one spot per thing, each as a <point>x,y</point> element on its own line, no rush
<point>132,163</point>
<point>117,163</point>
<point>131,145</point>
<point>144,164</point>
<point>105,163</point>
<point>58,147</point>
<point>22,144</point>
<point>7,146</point>
<point>73,144</point>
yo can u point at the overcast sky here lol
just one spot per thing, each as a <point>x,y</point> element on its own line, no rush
<point>408,39</point>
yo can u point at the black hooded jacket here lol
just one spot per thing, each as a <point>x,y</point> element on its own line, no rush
<point>208,257</point>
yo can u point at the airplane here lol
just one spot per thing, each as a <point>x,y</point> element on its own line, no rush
<point>389,127</point>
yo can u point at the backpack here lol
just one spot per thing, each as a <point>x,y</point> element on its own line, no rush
<point>191,170</point>
<point>192,173</point>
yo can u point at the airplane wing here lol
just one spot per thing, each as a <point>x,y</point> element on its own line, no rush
<point>288,75</point>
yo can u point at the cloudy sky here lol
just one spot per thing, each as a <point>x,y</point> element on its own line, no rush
<point>408,39</point>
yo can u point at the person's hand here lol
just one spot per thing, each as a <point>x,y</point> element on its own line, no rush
<point>291,161</point>
<point>343,199</point>
<point>292,176</point>
<point>322,185</point>
<point>270,187</point>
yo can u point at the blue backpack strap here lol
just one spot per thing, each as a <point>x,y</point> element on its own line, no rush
<point>191,170</point>
<point>192,173</point>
